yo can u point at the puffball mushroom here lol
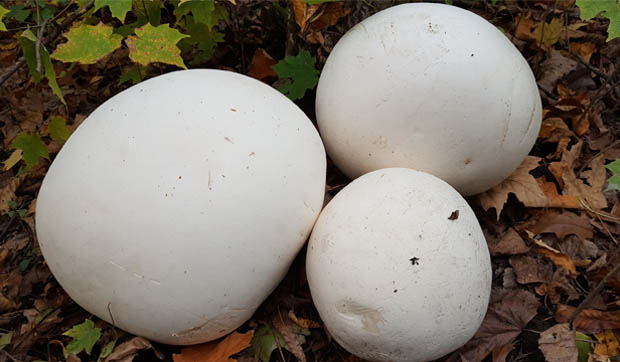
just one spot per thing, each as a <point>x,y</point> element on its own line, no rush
<point>178,205</point>
<point>431,87</point>
<point>398,267</point>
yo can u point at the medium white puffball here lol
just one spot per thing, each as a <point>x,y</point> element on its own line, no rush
<point>398,267</point>
<point>179,204</point>
<point>431,87</point>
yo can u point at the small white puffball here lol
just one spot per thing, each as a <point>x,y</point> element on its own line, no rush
<point>431,87</point>
<point>398,267</point>
<point>179,204</point>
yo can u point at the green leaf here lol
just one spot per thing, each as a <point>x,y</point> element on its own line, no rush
<point>87,43</point>
<point>202,11</point>
<point>27,41</point>
<point>24,264</point>
<point>201,36</point>
<point>5,340</point>
<point>3,12</point>
<point>106,350</point>
<point>18,12</point>
<point>584,346</point>
<point>84,336</point>
<point>266,340</point>
<point>12,204</point>
<point>32,147</point>
<point>118,8</point>
<point>614,167</point>
<point>613,183</point>
<point>301,72</point>
<point>128,29</point>
<point>611,10</point>
<point>134,76</point>
<point>58,129</point>
<point>156,44</point>
<point>22,212</point>
<point>50,74</point>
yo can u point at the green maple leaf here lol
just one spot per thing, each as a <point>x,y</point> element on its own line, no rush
<point>613,183</point>
<point>301,72</point>
<point>58,129</point>
<point>266,339</point>
<point>3,12</point>
<point>27,41</point>
<point>18,12</point>
<point>611,10</point>
<point>87,43</point>
<point>5,340</point>
<point>203,11</point>
<point>156,44</point>
<point>32,147</point>
<point>201,36</point>
<point>118,8</point>
<point>84,336</point>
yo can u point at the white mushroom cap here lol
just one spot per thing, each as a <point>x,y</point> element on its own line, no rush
<point>431,87</point>
<point>398,267</point>
<point>178,205</point>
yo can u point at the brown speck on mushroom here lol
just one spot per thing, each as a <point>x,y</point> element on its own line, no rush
<point>234,110</point>
<point>454,215</point>
<point>414,261</point>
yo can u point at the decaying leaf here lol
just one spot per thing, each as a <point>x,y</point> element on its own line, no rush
<point>521,183</point>
<point>216,351</point>
<point>563,224</point>
<point>560,259</point>
<point>589,320</point>
<point>554,68</point>
<point>558,344</point>
<point>511,243</point>
<point>260,67</point>
<point>530,270</point>
<point>607,344</point>
<point>509,312</point>
<point>556,286</point>
<point>126,351</point>
<point>303,323</point>
<point>285,326</point>
<point>7,193</point>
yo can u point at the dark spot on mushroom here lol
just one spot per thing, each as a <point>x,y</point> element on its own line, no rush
<point>180,177</point>
<point>468,234</point>
<point>468,161</point>
<point>472,54</point>
<point>454,215</point>
<point>395,290</point>
<point>414,261</point>
<point>370,154</point>
<point>234,110</point>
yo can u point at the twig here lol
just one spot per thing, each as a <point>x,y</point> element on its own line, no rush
<point>9,356</point>
<point>37,47</point>
<point>290,32</point>
<point>593,293</point>
<point>605,149</point>
<point>20,63</point>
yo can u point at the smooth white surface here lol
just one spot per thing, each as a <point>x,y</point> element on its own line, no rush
<point>431,87</point>
<point>372,298</point>
<point>179,204</point>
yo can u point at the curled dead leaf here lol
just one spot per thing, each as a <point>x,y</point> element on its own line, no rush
<point>260,67</point>
<point>589,320</point>
<point>216,351</point>
<point>558,344</point>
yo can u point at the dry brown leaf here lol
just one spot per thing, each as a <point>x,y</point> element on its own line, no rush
<point>509,312</point>
<point>559,259</point>
<point>216,351</point>
<point>521,183</point>
<point>500,353</point>
<point>556,286</point>
<point>303,12</point>
<point>563,224</point>
<point>303,323</point>
<point>555,199</point>
<point>6,304</point>
<point>330,14</point>
<point>126,352</point>
<point>558,344</point>
<point>579,250</point>
<point>589,320</point>
<point>530,270</point>
<point>554,68</point>
<point>260,67</point>
<point>284,325</point>
<point>584,49</point>
<point>510,243</point>
<point>7,193</point>
<point>607,344</point>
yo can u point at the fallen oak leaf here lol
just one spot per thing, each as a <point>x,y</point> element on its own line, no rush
<point>589,320</point>
<point>563,224</point>
<point>558,344</point>
<point>216,351</point>
<point>128,350</point>
<point>509,312</point>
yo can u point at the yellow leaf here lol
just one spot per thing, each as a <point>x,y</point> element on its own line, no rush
<point>15,157</point>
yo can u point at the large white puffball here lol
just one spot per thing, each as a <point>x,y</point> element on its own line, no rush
<point>431,87</point>
<point>398,267</point>
<point>179,204</point>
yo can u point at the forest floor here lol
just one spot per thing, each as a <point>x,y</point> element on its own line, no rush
<point>554,241</point>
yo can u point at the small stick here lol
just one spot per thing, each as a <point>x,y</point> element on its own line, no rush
<point>37,47</point>
<point>593,293</point>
